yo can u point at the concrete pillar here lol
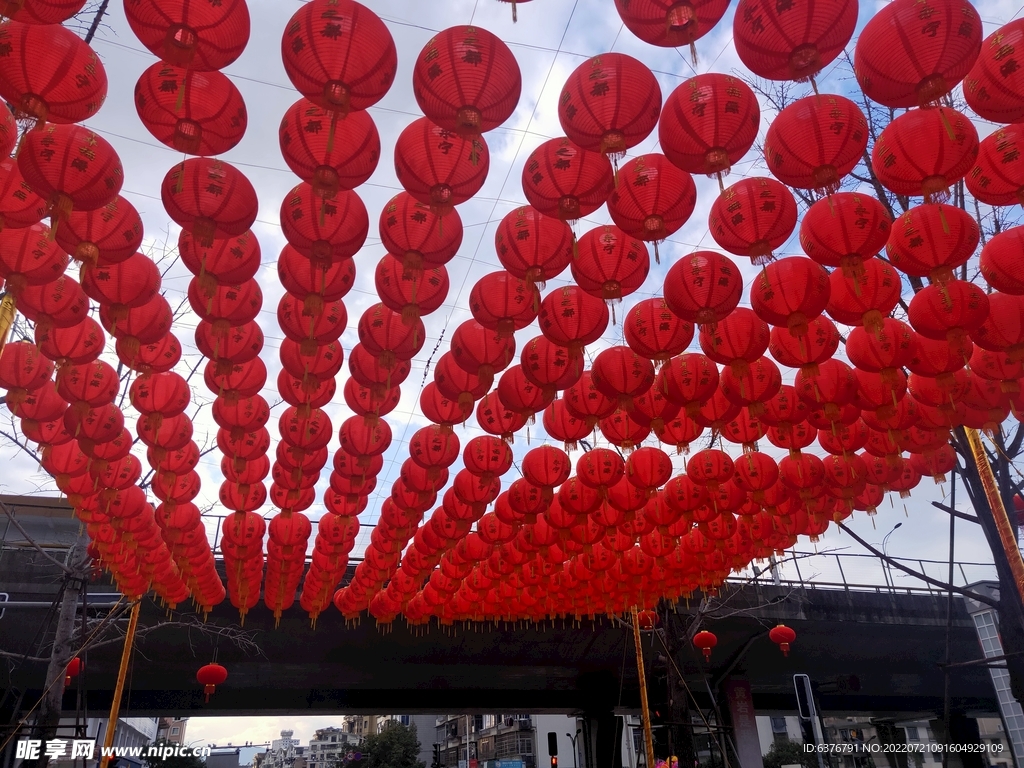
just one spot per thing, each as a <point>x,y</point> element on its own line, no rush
<point>603,732</point>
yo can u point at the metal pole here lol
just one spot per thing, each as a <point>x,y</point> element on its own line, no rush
<point>648,738</point>
<point>6,318</point>
<point>115,705</point>
<point>995,502</point>
<point>949,622</point>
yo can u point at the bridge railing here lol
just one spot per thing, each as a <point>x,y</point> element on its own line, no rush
<point>835,568</point>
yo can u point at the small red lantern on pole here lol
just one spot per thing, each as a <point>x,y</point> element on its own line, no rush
<point>647,620</point>
<point>74,669</point>
<point>782,636</point>
<point>211,676</point>
<point>705,641</point>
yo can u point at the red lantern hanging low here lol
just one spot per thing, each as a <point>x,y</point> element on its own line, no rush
<point>705,641</point>
<point>210,676</point>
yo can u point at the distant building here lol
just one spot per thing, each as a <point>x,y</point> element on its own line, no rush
<point>330,746</point>
<point>500,741</point>
<point>284,752</point>
<point>171,729</point>
<point>224,757</point>
<point>361,725</point>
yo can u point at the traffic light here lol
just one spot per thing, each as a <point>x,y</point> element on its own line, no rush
<point>553,748</point>
<point>657,716</point>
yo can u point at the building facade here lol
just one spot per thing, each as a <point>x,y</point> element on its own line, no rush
<point>330,746</point>
<point>284,752</point>
<point>171,729</point>
<point>501,741</point>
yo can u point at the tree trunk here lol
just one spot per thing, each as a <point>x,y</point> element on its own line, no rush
<point>64,644</point>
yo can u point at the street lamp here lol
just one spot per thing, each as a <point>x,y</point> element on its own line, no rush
<point>885,563</point>
<point>575,751</point>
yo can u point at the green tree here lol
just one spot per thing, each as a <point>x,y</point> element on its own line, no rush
<point>789,753</point>
<point>172,761</point>
<point>396,746</point>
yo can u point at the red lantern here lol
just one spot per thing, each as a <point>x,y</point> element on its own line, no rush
<point>816,141</point>
<point>127,284</point>
<point>565,181</point>
<point>999,263</point>
<point>738,340</point>
<point>209,198</point>
<point>790,292</point>
<point>622,374</point>
<point>49,73</point>
<point>573,318</point>
<point>948,311</point>
<point>653,331</point>
<point>228,262</point>
<point>549,365</point>
<point>210,676</point>
<point>28,256</point>
<point>708,124</point>
<point>503,303</point>
<point>900,62</point>
<point>561,424</point>
<point>652,200</point>
<point>844,231</point>
<point>610,264</point>
<point>924,152</point>
<point>586,402</point>
<point>198,113</point>
<point>191,34</point>
<point>438,167</point>
<point>79,344</point>
<point>609,104</point>
<point>703,287</point>
<point>705,641</point>
<point>1002,330</point>
<point>51,160</point>
<point>670,24</point>
<point>325,231</point>
<point>997,178</point>
<point>885,351</point>
<point>932,240</point>
<point>533,247</point>
<point>330,150</point>
<point>408,292</point>
<point>415,234</point>
<point>866,299</point>
<point>339,55</point>
<point>792,42</point>
<point>19,205</point>
<point>466,80</point>
<point>314,282</point>
<point>109,234</point>
<point>782,636</point>
<point>497,419</point>
<point>752,218</point>
<point>995,84</point>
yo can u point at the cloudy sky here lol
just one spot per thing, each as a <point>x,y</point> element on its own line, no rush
<point>551,38</point>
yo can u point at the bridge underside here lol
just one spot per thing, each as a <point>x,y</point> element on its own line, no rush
<point>866,652</point>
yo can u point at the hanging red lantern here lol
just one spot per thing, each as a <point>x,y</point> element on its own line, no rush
<point>1002,330</point>
<point>844,231</point>
<point>71,167</point>
<point>790,292</point>
<point>999,264</point>
<point>415,234</point>
<point>932,240</point>
<point>816,141</point>
<point>49,73</point>
<point>565,181</point>
<point>28,256</point>
<point>621,374</point>
<point>782,636</point>
<point>994,85</point>
<point>438,167</point>
<point>949,311</point>
<point>671,24</point>
<point>79,344</point>
<point>210,676</point>
<point>573,318</point>
<point>209,198</point>
<point>610,264</point>
<point>924,152</point>
<point>885,351</point>
<point>703,287</point>
<point>561,424</point>
<point>466,80</point>
<point>520,395</point>
<point>229,261</point>
<point>480,351</point>
<point>816,346</point>
<point>622,430</point>
<point>330,150</point>
<point>900,62</point>
<point>198,113</point>
<point>503,303</point>
<point>652,200</point>
<point>752,218</point>
<point>19,205</point>
<point>709,123</point>
<point>705,641</point>
<point>497,419</point>
<point>792,42</point>
<point>61,303</point>
<point>653,331</point>
<point>609,104</point>
<point>108,235</point>
<point>405,291</point>
<point>687,380</point>
<point>313,282</point>
<point>998,176</point>
<point>191,34</point>
<point>325,231</point>
<point>125,285</point>
<point>384,334</point>
<point>865,299</point>
<point>339,55</point>
<point>738,340</point>
<point>533,247</point>
<point>457,384</point>
<point>586,402</point>
<point>549,365</point>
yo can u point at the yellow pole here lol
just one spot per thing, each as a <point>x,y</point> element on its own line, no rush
<point>995,502</point>
<point>115,705</point>
<point>648,739</point>
<point>6,318</point>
